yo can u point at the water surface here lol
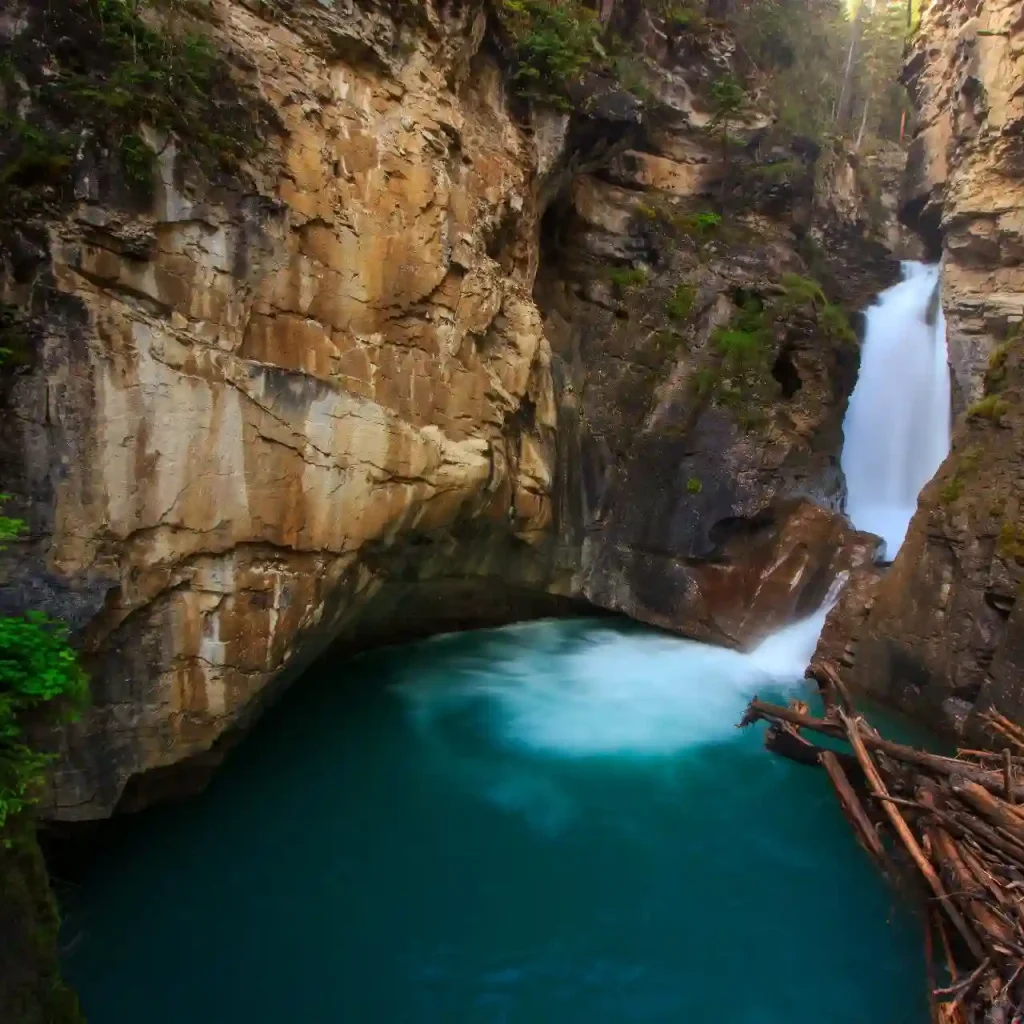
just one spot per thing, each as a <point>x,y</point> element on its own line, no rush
<point>548,823</point>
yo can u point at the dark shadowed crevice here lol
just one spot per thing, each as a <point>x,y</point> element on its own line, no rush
<point>786,374</point>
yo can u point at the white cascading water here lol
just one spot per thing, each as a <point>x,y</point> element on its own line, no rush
<point>610,694</point>
<point>897,426</point>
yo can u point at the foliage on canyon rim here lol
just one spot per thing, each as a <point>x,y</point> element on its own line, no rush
<point>830,67</point>
<point>556,44</point>
<point>93,75</point>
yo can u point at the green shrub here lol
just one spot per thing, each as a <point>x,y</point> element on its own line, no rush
<point>631,73</point>
<point>990,407</point>
<point>625,279</point>
<point>111,68</point>
<point>680,305</point>
<point>14,337</point>
<point>951,490</point>
<point>556,44</point>
<point>740,349</point>
<point>10,529</point>
<point>37,668</point>
<point>803,290</point>
<point>694,486</point>
<point>705,381</point>
<point>776,172</point>
<point>683,16</point>
<point>40,681</point>
<point>836,323</point>
<point>1011,542</point>
<point>968,460</point>
<point>728,100</point>
<point>700,225</point>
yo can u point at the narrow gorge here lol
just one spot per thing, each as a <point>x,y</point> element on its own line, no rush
<point>341,340</point>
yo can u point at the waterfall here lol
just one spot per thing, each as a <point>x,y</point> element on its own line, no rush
<point>896,431</point>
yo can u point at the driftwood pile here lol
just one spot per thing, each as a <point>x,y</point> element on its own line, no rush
<point>951,829</point>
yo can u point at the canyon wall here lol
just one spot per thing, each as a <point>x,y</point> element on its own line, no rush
<point>430,357</point>
<point>941,635</point>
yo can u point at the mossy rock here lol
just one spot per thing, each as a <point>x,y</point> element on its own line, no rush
<point>31,988</point>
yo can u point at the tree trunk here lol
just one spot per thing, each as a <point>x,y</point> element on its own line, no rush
<point>842,113</point>
<point>863,123</point>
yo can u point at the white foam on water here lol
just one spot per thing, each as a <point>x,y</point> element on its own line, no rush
<point>607,693</point>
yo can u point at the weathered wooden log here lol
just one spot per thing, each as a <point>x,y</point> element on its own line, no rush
<point>830,685</point>
<point>788,743</point>
<point>948,767</point>
<point>863,827</point>
<point>907,837</point>
<point>961,825</point>
<point>1001,724</point>
<point>996,936</point>
<point>997,811</point>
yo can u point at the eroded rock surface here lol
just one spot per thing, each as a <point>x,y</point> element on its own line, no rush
<point>941,633</point>
<point>334,399</point>
<point>962,187</point>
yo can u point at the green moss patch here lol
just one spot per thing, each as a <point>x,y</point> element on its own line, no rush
<point>626,279</point>
<point>31,989</point>
<point>682,301</point>
<point>991,407</point>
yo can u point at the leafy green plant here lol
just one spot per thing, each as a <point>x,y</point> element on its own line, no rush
<point>10,529</point>
<point>625,279</point>
<point>556,44</point>
<point>741,349</point>
<point>952,489</point>
<point>969,459</point>
<point>700,225</point>
<point>991,407</point>
<point>34,157</point>
<point>680,305</point>
<point>14,339</point>
<point>776,172</point>
<point>694,486</point>
<point>38,667</point>
<point>729,103</point>
<point>704,381</point>
<point>113,66</point>
<point>41,681</point>
<point>631,73</point>
<point>802,289</point>
<point>805,291</point>
<point>836,323</point>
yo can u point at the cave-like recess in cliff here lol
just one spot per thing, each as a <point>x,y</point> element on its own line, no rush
<point>553,821</point>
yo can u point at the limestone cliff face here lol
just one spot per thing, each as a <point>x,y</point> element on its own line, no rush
<point>941,634</point>
<point>324,400</point>
<point>961,190</point>
<point>243,396</point>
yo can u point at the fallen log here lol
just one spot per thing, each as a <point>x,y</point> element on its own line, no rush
<point>960,825</point>
<point>993,781</point>
<point>863,827</point>
<point>788,743</point>
<point>907,837</point>
<point>1005,816</point>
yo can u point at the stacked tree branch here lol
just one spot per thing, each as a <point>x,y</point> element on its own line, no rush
<point>948,829</point>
